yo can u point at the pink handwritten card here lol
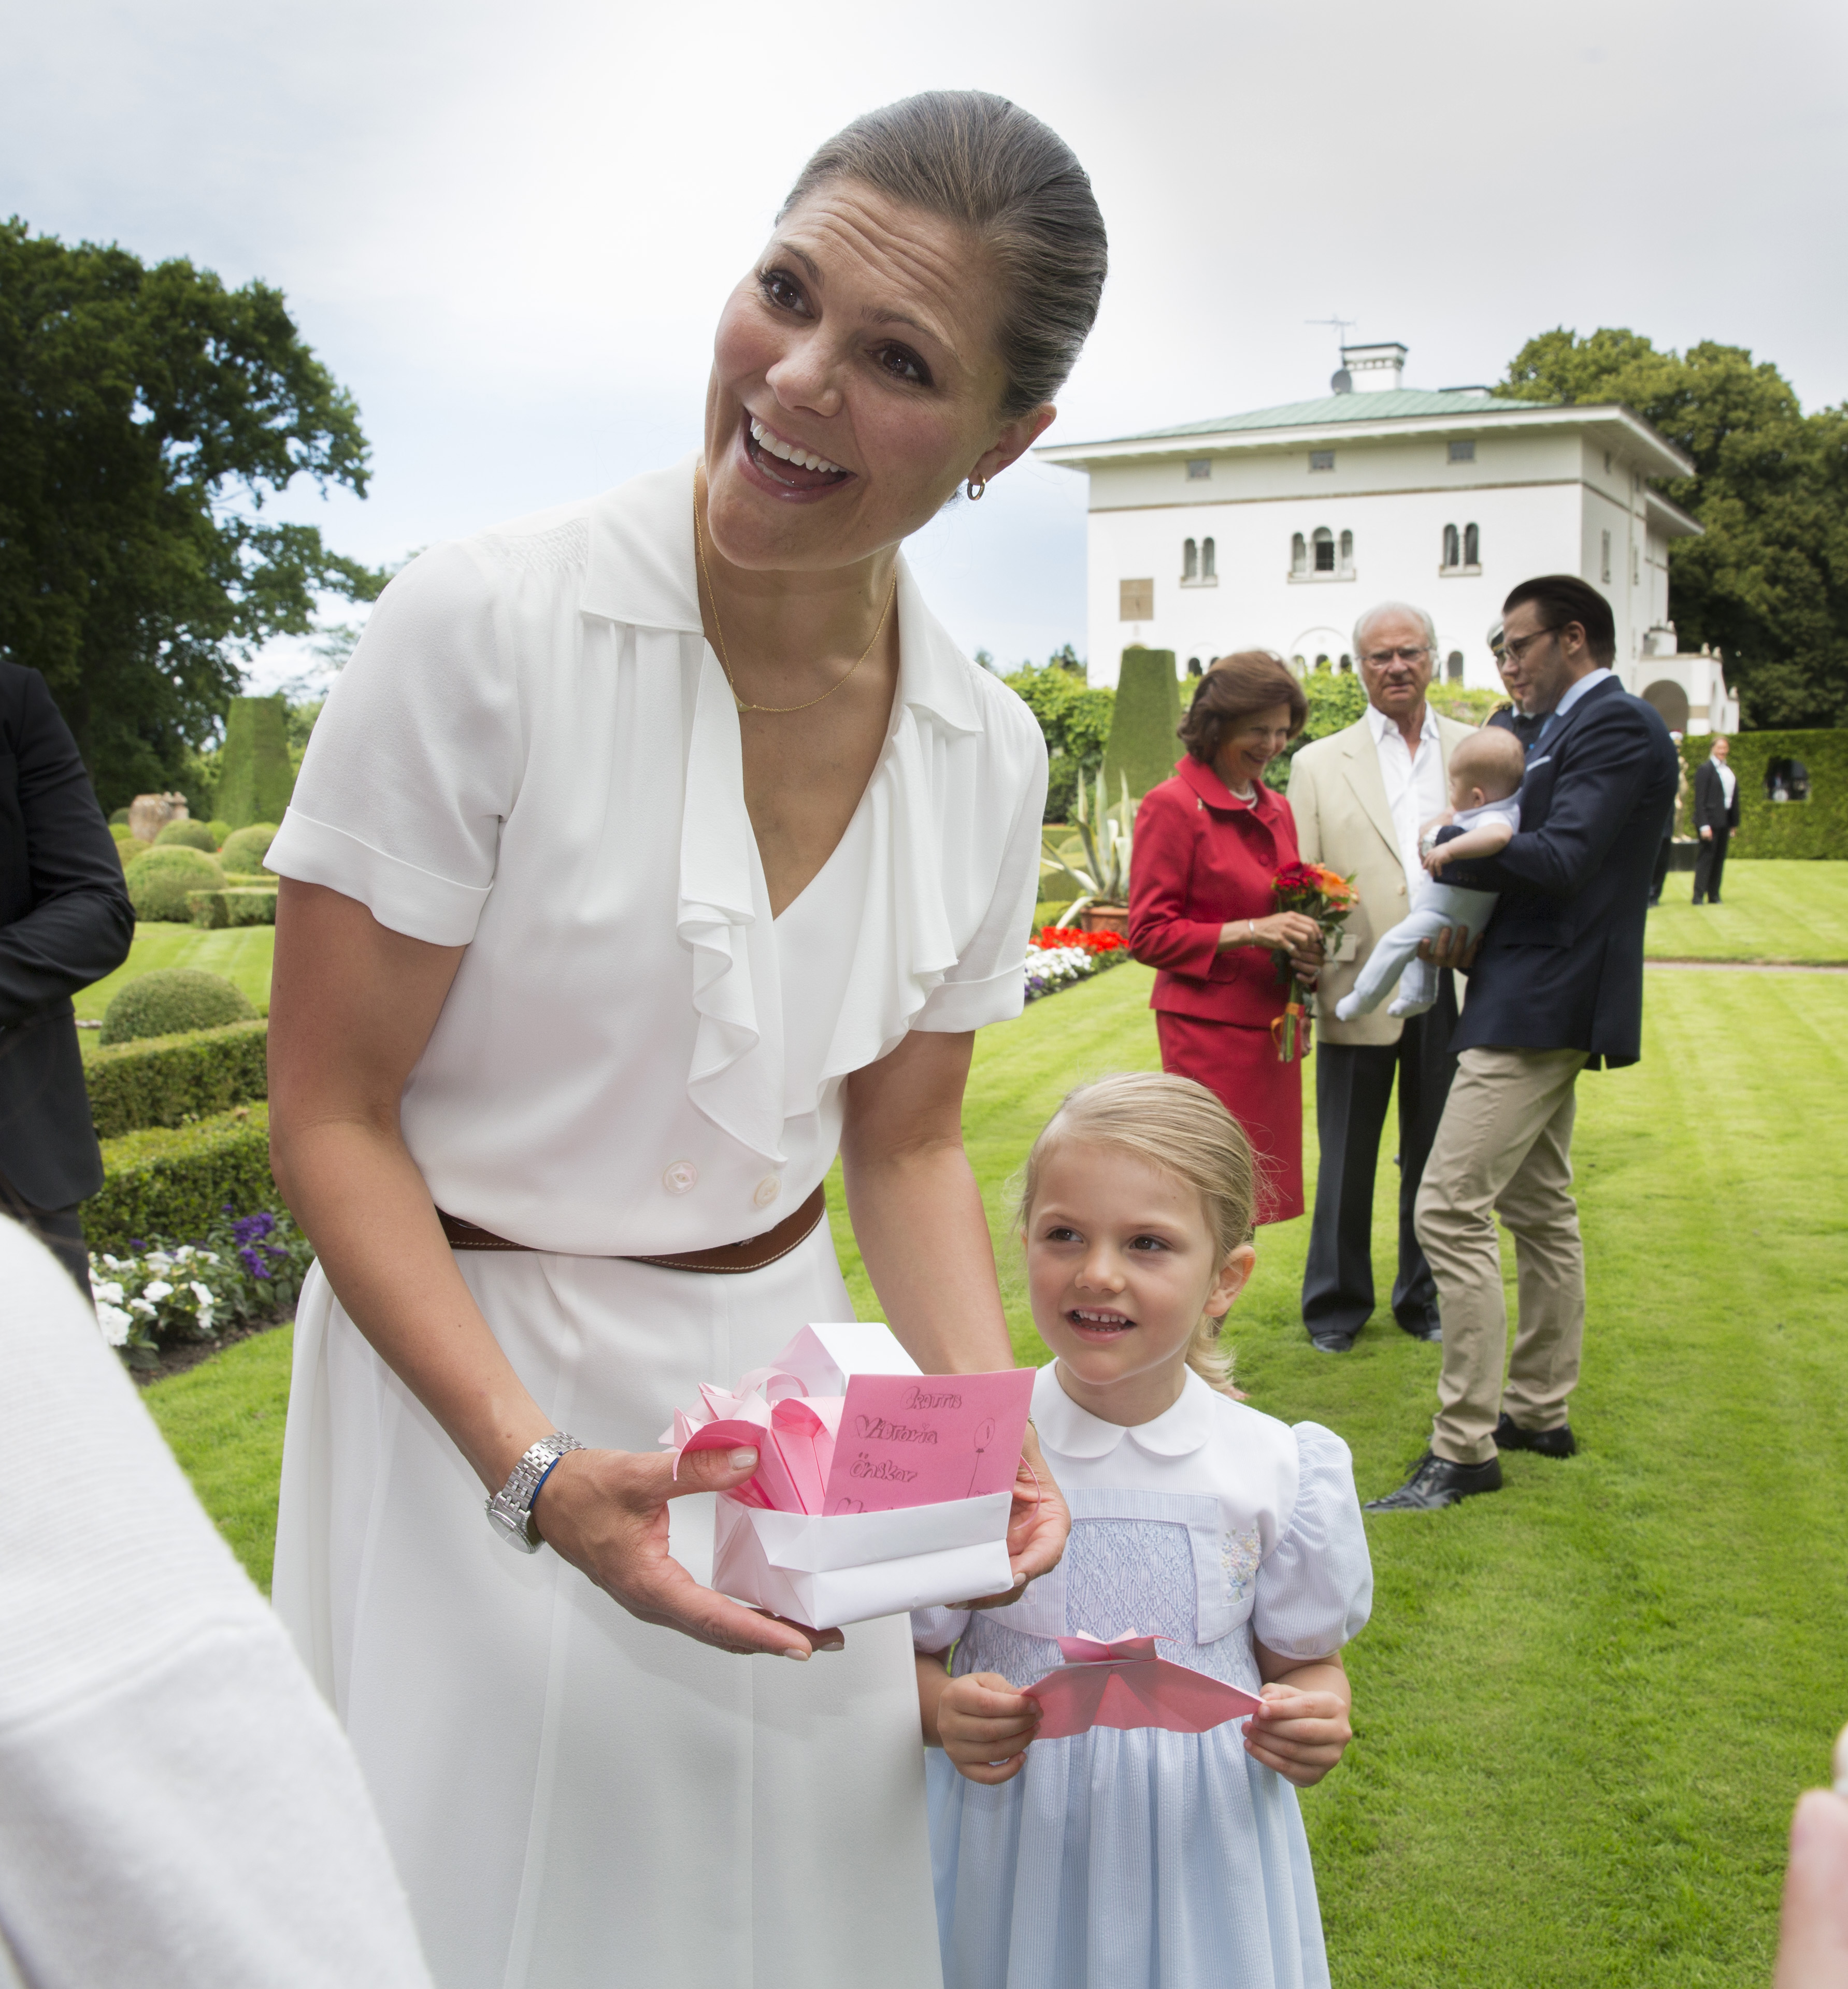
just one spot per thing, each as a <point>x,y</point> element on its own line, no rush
<point>907,1440</point>
<point>1119,1682</point>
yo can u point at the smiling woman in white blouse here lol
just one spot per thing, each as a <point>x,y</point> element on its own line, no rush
<point>652,850</point>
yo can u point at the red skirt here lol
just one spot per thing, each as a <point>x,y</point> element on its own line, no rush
<point>1240,1068</point>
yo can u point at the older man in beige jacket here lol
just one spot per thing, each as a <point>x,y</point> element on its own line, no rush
<point>1359,797</point>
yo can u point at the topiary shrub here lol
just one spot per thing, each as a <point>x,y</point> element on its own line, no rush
<point>179,1182</point>
<point>159,880</point>
<point>121,832</point>
<point>219,831</point>
<point>188,835</point>
<point>1815,827</point>
<point>245,849</point>
<point>1142,747</point>
<point>172,1080</point>
<point>233,907</point>
<point>120,816</point>
<point>171,1000</point>
<point>256,776</point>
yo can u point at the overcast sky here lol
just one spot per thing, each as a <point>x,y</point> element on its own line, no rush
<point>508,230</point>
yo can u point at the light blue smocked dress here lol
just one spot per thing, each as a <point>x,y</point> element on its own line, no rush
<point>1139,1859</point>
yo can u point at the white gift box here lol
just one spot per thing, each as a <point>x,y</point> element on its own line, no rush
<point>825,1572</point>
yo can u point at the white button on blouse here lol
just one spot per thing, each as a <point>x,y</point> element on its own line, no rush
<point>534,754</point>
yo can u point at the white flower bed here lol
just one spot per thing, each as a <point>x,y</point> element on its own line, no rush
<point>173,1292</point>
<point>1050,968</point>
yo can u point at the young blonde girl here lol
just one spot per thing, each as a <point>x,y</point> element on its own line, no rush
<point>1126,1859</point>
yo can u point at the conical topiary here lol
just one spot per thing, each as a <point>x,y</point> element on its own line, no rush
<point>1142,748</point>
<point>255,778</point>
<point>171,999</point>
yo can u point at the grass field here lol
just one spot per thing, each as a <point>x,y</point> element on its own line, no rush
<point>1773,908</point>
<point>1585,1706</point>
<point>242,954</point>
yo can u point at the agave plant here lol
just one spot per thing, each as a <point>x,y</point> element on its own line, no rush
<point>1096,858</point>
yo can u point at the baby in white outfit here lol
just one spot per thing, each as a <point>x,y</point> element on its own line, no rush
<point>1486,773</point>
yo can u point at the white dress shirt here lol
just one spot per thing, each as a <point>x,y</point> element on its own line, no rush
<point>1415,782</point>
<point>1728,781</point>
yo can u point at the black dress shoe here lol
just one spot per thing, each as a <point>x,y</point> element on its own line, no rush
<point>1331,1343</point>
<point>1423,1329</point>
<point>1435,1482</point>
<point>1560,1442</point>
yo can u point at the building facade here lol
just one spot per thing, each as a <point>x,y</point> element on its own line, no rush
<point>1274,530</point>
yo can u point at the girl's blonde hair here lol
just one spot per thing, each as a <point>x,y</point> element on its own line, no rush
<point>1179,1126</point>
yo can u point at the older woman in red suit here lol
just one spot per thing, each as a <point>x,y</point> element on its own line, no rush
<point>1208,844</point>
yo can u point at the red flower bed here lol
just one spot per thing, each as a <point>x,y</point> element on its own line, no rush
<point>1048,937</point>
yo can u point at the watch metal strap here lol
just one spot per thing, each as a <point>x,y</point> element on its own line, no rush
<point>510,1509</point>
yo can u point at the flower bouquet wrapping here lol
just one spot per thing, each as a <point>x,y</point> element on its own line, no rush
<point>878,1488</point>
<point>1328,897</point>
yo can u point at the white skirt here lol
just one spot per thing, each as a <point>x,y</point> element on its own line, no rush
<point>574,1797</point>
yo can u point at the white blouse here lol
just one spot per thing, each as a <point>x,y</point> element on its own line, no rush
<point>534,754</point>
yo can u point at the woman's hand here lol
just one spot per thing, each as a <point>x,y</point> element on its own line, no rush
<point>1039,1525</point>
<point>985,1726</point>
<point>1290,933</point>
<point>1300,1734</point>
<point>606,1512</point>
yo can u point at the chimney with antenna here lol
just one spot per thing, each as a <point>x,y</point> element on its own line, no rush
<point>1372,369</point>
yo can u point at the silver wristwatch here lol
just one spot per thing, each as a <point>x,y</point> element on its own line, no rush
<point>510,1510</point>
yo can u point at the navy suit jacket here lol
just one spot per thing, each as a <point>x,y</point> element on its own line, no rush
<point>1561,966</point>
<point>64,921</point>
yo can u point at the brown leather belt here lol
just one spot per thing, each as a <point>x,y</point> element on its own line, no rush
<point>728,1259</point>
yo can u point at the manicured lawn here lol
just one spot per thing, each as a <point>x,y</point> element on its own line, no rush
<point>1585,1706</point>
<point>242,953</point>
<point>1773,908</point>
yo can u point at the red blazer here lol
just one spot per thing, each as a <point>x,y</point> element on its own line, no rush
<point>1200,859</point>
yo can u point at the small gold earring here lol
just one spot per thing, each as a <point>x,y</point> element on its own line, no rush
<point>978,484</point>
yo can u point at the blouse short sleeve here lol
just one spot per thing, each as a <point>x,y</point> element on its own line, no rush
<point>1315,1587</point>
<point>934,1630</point>
<point>987,984</point>
<point>416,761</point>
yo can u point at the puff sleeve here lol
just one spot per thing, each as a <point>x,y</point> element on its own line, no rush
<point>1315,1587</point>
<point>934,1630</point>
<point>416,760</point>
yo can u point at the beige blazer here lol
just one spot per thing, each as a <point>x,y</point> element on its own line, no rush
<point>1338,797</point>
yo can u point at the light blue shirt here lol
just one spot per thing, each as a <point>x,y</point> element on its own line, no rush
<point>1574,694</point>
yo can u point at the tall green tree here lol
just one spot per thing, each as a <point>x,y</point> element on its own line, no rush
<point>146,417</point>
<point>1768,583</point>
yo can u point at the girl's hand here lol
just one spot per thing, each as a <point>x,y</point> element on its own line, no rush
<point>1300,1734</point>
<point>984,1726</point>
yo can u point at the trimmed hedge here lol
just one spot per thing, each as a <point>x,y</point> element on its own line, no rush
<point>232,908</point>
<point>245,849</point>
<point>189,835</point>
<point>219,831</point>
<point>178,1182</point>
<point>1816,829</point>
<point>171,1000</point>
<point>1142,747</point>
<point>255,775</point>
<point>172,1080</point>
<point>160,880</point>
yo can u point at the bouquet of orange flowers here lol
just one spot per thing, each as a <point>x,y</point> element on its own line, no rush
<point>1328,897</point>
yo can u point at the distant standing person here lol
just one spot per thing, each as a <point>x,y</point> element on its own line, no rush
<point>1208,844</point>
<point>1359,797</point>
<point>1556,988</point>
<point>64,921</point>
<point>1716,817</point>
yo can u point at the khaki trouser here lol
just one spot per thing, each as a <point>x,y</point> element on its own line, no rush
<point>1504,1147</point>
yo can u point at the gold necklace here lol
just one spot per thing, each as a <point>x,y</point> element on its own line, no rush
<point>718,627</point>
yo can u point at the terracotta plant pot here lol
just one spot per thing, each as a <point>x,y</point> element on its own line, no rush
<point>1105,918</point>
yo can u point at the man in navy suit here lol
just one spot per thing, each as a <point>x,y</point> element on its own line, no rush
<point>1556,987</point>
<point>64,921</point>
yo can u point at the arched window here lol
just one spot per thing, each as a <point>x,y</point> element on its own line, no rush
<point>1347,552</point>
<point>1299,554</point>
<point>1193,666</point>
<point>1453,666</point>
<point>1471,546</point>
<point>1190,560</point>
<point>1323,541</point>
<point>1347,667</point>
<point>1451,547</point>
<point>1209,557</point>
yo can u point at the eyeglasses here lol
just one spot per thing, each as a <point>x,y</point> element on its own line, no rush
<point>1378,659</point>
<point>1505,653</point>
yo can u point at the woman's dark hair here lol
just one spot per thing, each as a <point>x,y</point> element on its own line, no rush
<point>1561,598</point>
<point>1233,688</point>
<point>985,163</point>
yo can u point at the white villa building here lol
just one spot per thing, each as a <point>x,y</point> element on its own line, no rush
<point>1274,530</point>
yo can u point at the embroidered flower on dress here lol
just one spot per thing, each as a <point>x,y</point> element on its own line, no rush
<point>1240,1554</point>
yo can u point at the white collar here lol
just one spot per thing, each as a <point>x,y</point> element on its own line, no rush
<point>642,572</point>
<point>1385,728</point>
<point>1075,1432</point>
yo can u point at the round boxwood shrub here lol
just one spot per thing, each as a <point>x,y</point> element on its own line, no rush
<point>171,999</point>
<point>245,849</point>
<point>219,831</point>
<point>121,816</point>
<point>189,834</point>
<point>159,878</point>
<point>121,832</point>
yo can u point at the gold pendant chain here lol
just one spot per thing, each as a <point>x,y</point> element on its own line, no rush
<point>718,628</point>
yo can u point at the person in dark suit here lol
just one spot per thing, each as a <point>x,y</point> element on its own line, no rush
<point>1716,817</point>
<point>64,921</point>
<point>1557,987</point>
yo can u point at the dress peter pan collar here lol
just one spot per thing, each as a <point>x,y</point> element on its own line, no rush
<point>1075,1432</point>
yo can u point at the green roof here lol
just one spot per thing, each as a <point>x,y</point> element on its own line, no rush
<point>1400,402</point>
